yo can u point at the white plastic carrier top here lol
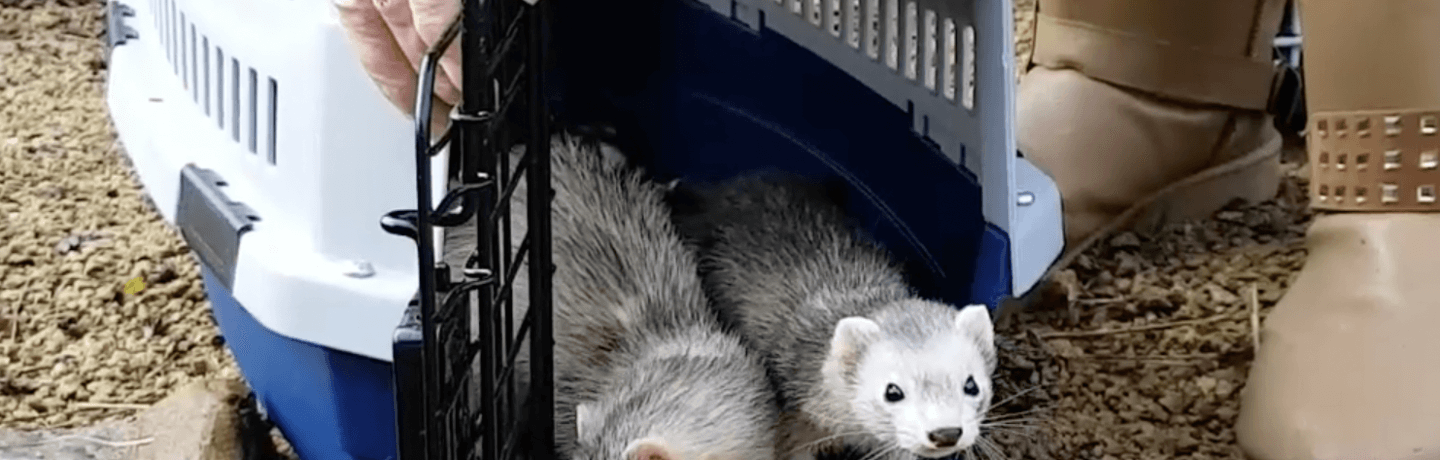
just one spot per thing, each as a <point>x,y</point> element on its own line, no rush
<point>269,96</point>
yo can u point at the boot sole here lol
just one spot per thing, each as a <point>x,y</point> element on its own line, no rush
<point>1253,178</point>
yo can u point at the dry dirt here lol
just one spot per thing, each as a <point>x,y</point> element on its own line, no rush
<point>75,349</point>
<point>1140,349</point>
<point>1138,352</point>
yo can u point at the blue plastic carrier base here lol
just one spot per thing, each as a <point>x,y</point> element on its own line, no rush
<point>695,94</point>
<point>331,405</point>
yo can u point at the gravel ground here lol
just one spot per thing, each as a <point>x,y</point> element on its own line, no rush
<point>1137,351</point>
<point>107,441</point>
<point>1140,349</point>
<point>78,354</point>
<point>74,348</point>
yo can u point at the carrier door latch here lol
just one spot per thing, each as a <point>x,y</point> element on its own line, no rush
<point>116,32</point>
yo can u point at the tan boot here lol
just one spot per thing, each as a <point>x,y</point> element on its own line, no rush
<point>1145,112</point>
<point>1349,361</point>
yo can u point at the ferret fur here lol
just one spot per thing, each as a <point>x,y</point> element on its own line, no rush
<point>835,320</point>
<point>642,367</point>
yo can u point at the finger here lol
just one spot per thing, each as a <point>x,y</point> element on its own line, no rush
<point>375,47</point>
<point>439,117</point>
<point>431,19</point>
<point>397,15</point>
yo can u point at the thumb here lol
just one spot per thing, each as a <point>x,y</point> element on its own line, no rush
<point>375,47</point>
<point>398,16</point>
<point>431,19</point>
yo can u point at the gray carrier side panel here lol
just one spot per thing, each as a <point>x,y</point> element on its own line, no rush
<point>979,137</point>
<point>968,111</point>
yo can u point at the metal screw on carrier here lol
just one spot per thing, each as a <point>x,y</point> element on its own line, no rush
<point>1025,199</point>
<point>359,269</point>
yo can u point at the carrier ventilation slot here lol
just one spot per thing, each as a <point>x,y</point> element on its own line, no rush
<point>920,45</point>
<point>243,101</point>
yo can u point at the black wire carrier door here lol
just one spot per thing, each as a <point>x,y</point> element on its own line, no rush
<point>442,413</point>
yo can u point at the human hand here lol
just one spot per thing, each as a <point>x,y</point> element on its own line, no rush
<point>390,37</point>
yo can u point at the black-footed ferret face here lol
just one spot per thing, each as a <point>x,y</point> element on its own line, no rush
<point>923,381</point>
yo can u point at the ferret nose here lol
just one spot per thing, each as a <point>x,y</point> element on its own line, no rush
<point>945,437</point>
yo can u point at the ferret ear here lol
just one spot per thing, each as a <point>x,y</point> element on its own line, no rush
<point>584,418</point>
<point>852,336</point>
<point>974,321</point>
<point>648,449</point>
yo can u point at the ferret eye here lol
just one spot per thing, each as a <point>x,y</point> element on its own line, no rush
<point>893,393</point>
<point>971,388</point>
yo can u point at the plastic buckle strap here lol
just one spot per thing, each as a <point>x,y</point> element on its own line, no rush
<point>1375,161</point>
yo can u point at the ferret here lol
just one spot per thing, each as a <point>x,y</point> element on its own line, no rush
<point>643,370</point>
<point>858,359</point>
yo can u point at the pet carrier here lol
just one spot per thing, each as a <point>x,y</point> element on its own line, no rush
<point>909,101</point>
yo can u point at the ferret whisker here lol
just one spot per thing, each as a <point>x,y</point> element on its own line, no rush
<point>1010,429</point>
<point>1016,395</point>
<point>1023,423</point>
<point>991,450</point>
<point>1013,422</point>
<point>816,442</point>
<point>1009,415</point>
<point>1013,415</point>
<point>1013,431</point>
<point>1011,425</point>
<point>1025,432</point>
<point>893,449</point>
<point>974,453</point>
<point>881,452</point>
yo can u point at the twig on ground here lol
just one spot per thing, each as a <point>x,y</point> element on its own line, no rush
<point>1040,342</point>
<point>68,437</point>
<point>1147,358</point>
<point>1255,316</point>
<point>11,315</point>
<point>1132,329</point>
<point>1142,360</point>
<point>37,367</point>
<point>100,405</point>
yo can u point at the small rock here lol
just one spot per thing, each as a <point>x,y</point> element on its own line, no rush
<point>1206,384</point>
<point>1125,240</point>
<point>1223,388</point>
<point>1221,296</point>
<point>1172,402</point>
